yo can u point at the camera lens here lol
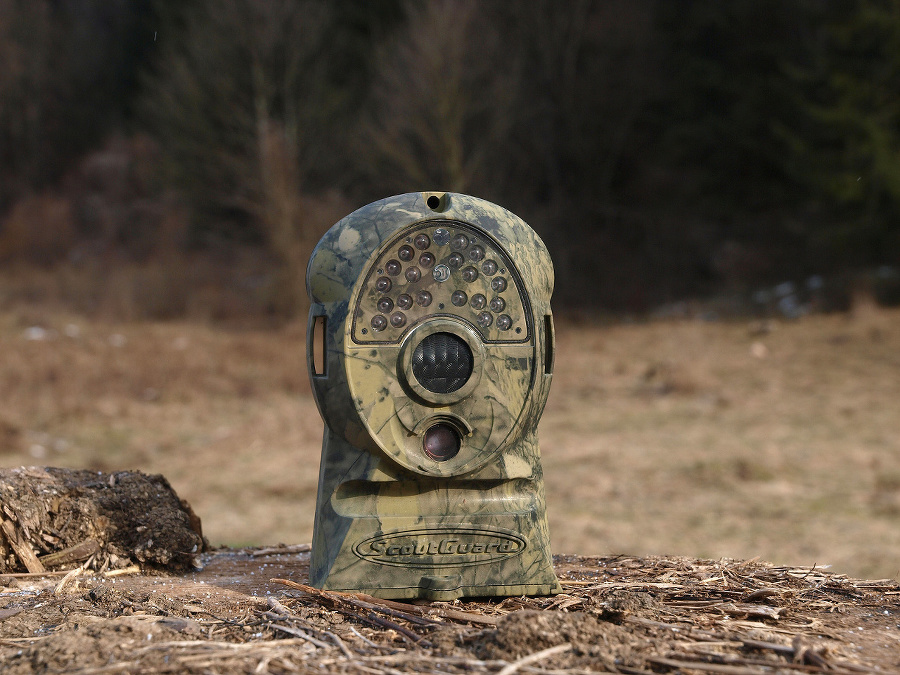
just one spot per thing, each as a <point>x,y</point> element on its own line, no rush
<point>406,253</point>
<point>441,442</point>
<point>442,363</point>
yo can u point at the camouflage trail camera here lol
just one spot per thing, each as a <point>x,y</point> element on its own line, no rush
<point>430,350</point>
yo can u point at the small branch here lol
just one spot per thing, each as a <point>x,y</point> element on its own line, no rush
<point>296,632</point>
<point>72,554</point>
<point>706,667</point>
<point>405,632</point>
<point>131,569</point>
<point>405,611</point>
<point>428,610</point>
<point>534,658</point>
<point>277,550</point>
<point>340,644</point>
<point>60,587</point>
<point>31,575</point>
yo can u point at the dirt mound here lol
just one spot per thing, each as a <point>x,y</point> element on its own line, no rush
<point>51,518</point>
<point>587,640</point>
<point>92,644</point>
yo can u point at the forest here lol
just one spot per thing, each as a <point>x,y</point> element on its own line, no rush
<point>664,149</point>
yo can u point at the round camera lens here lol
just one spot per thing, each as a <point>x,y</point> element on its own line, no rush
<point>497,304</point>
<point>476,253</point>
<point>383,284</point>
<point>393,267</point>
<point>406,253</point>
<point>398,319</point>
<point>423,298</point>
<point>379,322</point>
<point>459,298</point>
<point>485,319</point>
<point>385,305</point>
<point>441,442</point>
<point>504,322</point>
<point>479,301</point>
<point>499,284</point>
<point>460,242</point>
<point>470,274</point>
<point>489,267</point>
<point>413,274</point>
<point>442,362</point>
<point>455,260</point>
<point>426,260</point>
<point>404,301</point>
<point>441,236</point>
<point>422,241</point>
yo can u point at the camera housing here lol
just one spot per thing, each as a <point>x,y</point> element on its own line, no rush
<point>430,350</point>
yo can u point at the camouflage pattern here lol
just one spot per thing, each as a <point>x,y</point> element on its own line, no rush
<point>391,520</point>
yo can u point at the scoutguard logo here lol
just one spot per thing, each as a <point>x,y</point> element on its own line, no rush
<point>440,547</point>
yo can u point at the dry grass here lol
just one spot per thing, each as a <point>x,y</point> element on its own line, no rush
<point>685,438</point>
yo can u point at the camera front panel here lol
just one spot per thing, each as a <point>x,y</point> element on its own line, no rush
<point>441,348</point>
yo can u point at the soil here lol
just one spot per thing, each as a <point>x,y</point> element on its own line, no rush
<point>243,613</point>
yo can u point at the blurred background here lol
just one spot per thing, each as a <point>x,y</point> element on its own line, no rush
<point>718,184</point>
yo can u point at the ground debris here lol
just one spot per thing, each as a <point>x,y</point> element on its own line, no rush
<point>251,613</point>
<point>55,518</point>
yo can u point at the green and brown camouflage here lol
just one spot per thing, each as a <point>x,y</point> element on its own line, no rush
<point>430,351</point>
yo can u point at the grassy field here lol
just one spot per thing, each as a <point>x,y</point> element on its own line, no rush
<point>692,438</point>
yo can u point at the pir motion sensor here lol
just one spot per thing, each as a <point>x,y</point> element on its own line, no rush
<point>430,351</point>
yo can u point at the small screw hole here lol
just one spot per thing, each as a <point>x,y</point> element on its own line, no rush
<point>433,202</point>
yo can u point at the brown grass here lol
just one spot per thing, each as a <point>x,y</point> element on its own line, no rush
<point>682,438</point>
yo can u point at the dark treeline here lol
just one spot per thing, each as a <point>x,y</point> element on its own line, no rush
<point>663,148</point>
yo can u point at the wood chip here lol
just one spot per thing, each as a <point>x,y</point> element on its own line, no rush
<point>22,549</point>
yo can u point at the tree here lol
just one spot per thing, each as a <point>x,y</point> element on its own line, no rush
<point>846,147</point>
<point>440,103</point>
<point>67,77</point>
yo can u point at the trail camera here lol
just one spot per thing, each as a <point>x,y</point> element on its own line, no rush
<point>430,351</point>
